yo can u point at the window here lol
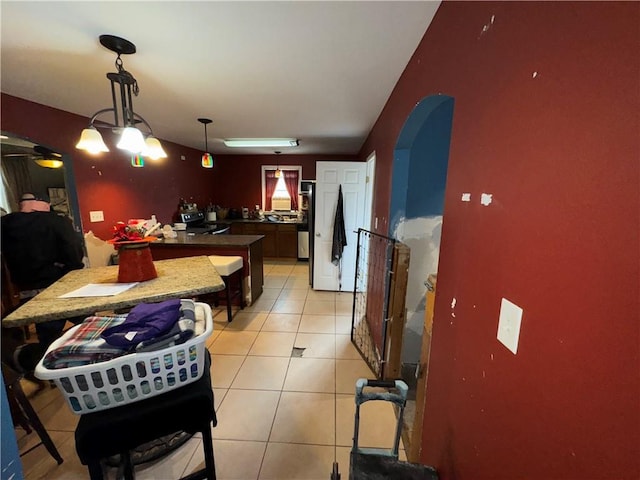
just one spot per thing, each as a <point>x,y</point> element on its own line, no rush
<point>280,200</point>
<point>280,193</point>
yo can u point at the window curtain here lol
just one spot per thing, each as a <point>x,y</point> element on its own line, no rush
<point>269,188</point>
<point>291,182</point>
<point>16,180</point>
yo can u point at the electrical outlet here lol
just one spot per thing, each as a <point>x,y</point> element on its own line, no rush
<point>96,216</point>
<point>509,325</point>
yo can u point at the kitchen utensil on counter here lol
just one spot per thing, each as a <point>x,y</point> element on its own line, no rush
<point>222,213</point>
<point>152,229</point>
<point>168,232</point>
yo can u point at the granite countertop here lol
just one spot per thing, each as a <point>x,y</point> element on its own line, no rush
<point>177,278</point>
<point>256,220</point>
<point>201,239</point>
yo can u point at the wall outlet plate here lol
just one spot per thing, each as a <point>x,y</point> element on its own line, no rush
<point>96,216</point>
<point>509,325</point>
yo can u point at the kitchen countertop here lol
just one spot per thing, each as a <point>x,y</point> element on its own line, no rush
<point>255,220</point>
<point>177,278</point>
<point>201,239</point>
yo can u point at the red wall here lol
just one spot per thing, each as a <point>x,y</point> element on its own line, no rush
<point>109,183</point>
<point>559,151</point>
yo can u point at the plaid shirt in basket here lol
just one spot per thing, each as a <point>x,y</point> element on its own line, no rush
<point>85,345</point>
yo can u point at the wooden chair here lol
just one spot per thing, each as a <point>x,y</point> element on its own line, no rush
<point>23,414</point>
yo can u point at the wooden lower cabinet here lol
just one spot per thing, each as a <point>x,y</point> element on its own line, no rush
<point>287,241</point>
<point>280,239</point>
<point>270,241</point>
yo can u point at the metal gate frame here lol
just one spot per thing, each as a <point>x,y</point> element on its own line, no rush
<point>371,298</point>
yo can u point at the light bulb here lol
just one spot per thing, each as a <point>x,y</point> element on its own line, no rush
<point>207,160</point>
<point>153,149</point>
<point>91,141</point>
<point>132,140</point>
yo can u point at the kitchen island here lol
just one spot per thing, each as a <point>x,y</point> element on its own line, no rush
<point>178,278</point>
<point>249,247</point>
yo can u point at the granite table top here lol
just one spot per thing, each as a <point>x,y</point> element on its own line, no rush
<point>177,278</point>
<point>200,239</point>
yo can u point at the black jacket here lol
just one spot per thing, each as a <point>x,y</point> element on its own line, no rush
<point>339,233</point>
<point>39,248</point>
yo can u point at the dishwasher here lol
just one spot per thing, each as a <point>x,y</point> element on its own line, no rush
<point>303,245</point>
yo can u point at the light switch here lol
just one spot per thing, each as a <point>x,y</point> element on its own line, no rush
<point>509,325</point>
<point>96,216</point>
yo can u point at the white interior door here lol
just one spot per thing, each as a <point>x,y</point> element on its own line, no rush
<point>329,176</point>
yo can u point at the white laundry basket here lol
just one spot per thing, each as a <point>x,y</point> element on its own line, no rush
<point>130,378</point>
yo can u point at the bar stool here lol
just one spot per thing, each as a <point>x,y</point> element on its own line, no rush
<point>23,413</point>
<point>118,430</point>
<point>229,267</point>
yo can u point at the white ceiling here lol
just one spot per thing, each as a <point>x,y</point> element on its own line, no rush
<point>317,71</point>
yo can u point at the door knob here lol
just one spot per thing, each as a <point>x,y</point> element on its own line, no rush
<point>318,235</point>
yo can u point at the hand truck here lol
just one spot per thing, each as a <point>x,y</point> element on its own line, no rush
<point>381,463</point>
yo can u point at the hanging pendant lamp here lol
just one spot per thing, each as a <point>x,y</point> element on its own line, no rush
<point>207,159</point>
<point>278,173</point>
<point>124,87</point>
<point>137,161</point>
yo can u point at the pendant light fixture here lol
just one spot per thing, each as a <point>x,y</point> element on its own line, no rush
<point>278,173</point>
<point>126,120</point>
<point>207,159</point>
<point>137,161</point>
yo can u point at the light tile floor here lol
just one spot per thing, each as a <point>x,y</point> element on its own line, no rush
<point>279,417</point>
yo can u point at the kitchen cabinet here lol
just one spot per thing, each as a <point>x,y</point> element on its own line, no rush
<point>270,241</point>
<point>287,241</point>
<point>280,239</point>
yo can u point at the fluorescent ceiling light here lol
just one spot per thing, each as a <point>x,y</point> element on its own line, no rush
<point>261,142</point>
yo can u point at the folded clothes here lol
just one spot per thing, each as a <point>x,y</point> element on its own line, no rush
<point>144,322</point>
<point>181,331</point>
<point>85,345</point>
<point>88,344</point>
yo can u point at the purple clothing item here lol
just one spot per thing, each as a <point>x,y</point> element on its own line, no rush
<point>144,322</point>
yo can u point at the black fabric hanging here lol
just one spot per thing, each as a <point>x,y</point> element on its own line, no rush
<point>339,237</point>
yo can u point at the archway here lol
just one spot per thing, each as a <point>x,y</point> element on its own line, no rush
<point>421,158</point>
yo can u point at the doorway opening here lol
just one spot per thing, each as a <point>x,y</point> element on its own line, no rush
<point>421,158</point>
<point>23,172</point>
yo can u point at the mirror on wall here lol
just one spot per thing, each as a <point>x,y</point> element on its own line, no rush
<point>30,167</point>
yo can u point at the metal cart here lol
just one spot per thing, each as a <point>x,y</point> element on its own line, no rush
<point>380,463</point>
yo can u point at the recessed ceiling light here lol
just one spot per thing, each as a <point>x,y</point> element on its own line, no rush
<point>261,142</point>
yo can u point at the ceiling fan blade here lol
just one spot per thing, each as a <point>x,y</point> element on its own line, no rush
<point>46,152</point>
